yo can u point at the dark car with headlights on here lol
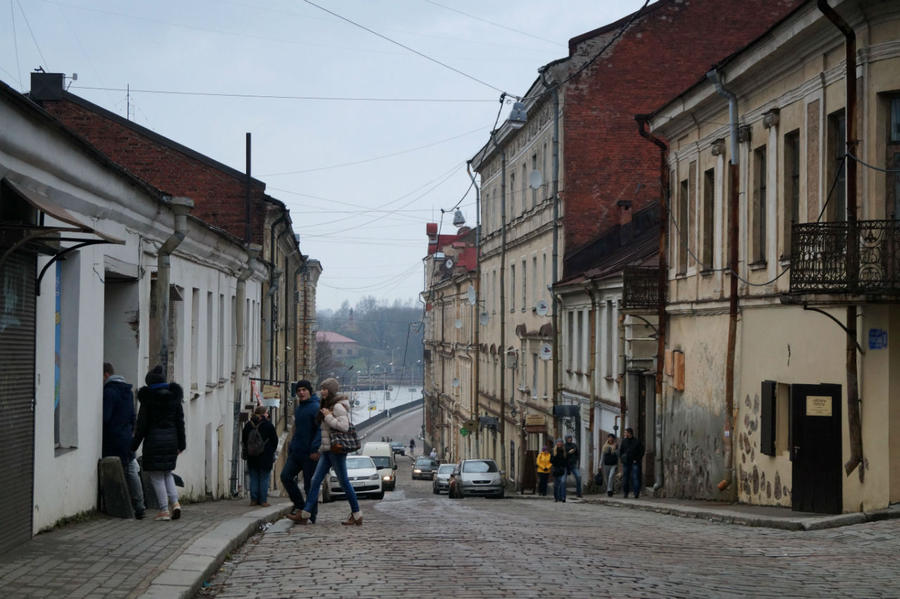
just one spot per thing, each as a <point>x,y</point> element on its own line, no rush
<point>479,477</point>
<point>424,468</point>
<point>398,447</point>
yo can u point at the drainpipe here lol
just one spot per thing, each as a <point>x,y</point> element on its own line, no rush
<point>180,206</point>
<point>476,319</point>
<point>733,170</point>
<point>554,193</point>
<point>240,298</point>
<point>661,288</point>
<point>854,423</point>
<point>503,310</point>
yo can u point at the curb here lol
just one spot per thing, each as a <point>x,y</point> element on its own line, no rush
<point>183,577</point>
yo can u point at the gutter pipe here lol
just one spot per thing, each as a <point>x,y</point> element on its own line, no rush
<point>181,207</point>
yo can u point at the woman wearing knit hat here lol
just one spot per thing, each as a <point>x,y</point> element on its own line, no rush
<point>160,427</point>
<point>334,415</point>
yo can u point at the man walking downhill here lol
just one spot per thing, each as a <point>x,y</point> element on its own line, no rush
<point>303,452</point>
<point>631,452</point>
<point>573,466</point>
<point>118,428</point>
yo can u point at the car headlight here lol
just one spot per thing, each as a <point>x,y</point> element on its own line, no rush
<point>416,471</point>
<point>388,477</point>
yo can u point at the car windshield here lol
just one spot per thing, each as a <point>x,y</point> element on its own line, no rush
<point>424,463</point>
<point>477,466</point>
<point>381,461</point>
<point>445,469</point>
<point>359,461</point>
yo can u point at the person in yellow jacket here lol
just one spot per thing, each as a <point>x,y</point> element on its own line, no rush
<point>543,470</point>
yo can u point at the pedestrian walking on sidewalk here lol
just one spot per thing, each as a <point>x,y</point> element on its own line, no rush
<point>303,452</point>
<point>609,460</point>
<point>160,427</point>
<point>334,416</point>
<point>543,470</point>
<point>259,430</point>
<point>631,451</point>
<point>560,463</point>
<point>574,464</point>
<point>118,429</point>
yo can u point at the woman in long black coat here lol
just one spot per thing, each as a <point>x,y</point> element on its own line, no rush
<point>160,427</point>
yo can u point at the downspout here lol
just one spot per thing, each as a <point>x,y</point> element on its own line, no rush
<point>502,310</point>
<point>180,206</point>
<point>733,170</point>
<point>661,288</point>
<point>476,320</point>
<point>554,193</point>
<point>240,298</point>
<point>854,423</point>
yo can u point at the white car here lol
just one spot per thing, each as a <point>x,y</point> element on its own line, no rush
<point>363,476</point>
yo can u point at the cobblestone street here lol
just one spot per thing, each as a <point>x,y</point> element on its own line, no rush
<point>413,544</point>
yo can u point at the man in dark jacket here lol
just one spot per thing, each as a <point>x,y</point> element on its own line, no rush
<point>118,427</point>
<point>573,465</point>
<point>260,466</point>
<point>303,452</point>
<point>631,451</point>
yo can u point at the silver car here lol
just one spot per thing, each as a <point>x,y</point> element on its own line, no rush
<point>363,476</point>
<point>442,478</point>
<point>479,477</point>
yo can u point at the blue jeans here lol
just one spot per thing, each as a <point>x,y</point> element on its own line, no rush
<point>292,467</point>
<point>328,460</point>
<point>259,484</point>
<point>575,470</point>
<point>631,475</point>
<point>559,487</point>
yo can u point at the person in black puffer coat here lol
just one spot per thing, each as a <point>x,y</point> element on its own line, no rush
<point>160,427</point>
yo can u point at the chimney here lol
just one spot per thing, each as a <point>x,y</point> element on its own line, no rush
<point>47,86</point>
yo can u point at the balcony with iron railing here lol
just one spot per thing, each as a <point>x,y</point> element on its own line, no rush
<point>640,288</point>
<point>862,258</point>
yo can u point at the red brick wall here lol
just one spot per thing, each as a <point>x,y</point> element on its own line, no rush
<point>660,56</point>
<point>219,196</point>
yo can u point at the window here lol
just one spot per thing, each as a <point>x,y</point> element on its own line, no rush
<point>234,308</point>
<point>534,374</point>
<point>195,335</point>
<point>534,189</point>
<point>68,300</point>
<point>837,173</point>
<point>524,285</point>
<point>774,429</point>
<point>580,343</point>
<point>892,160</point>
<point>758,207</point>
<point>791,187</point>
<point>512,287</point>
<point>210,346</point>
<point>709,199</point>
<point>512,196</point>
<point>534,281</point>
<point>220,339</point>
<point>570,325</point>
<point>611,339</point>
<point>524,185</point>
<point>681,240</point>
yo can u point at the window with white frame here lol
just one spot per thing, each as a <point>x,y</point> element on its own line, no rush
<point>758,207</point>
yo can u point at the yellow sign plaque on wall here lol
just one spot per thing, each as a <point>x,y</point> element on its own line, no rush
<point>818,405</point>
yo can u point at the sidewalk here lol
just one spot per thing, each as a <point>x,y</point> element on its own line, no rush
<point>731,513</point>
<point>113,557</point>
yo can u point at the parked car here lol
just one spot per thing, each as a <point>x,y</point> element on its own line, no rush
<point>424,468</point>
<point>442,478</point>
<point>363,476</point>
<point>479,477</point>
<point>398,447</point>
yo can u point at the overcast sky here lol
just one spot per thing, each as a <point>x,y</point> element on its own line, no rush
<point>372,139</point>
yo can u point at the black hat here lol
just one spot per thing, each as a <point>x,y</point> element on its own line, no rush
<point>305,384</point>
<point>568,437</point>
<point>155,376</point>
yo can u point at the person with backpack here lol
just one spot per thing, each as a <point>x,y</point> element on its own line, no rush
<point>259,441</point>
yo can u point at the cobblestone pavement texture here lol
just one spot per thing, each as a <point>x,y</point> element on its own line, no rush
<point>431,546</point>
<point>105,556</point>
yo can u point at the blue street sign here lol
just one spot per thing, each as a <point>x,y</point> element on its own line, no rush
<point>878,339</point>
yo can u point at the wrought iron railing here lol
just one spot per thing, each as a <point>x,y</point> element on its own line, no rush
<point>640,287</point>
<point>822,260</point>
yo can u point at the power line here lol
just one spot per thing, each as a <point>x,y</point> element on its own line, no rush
<point>405,47</point>
<point>374,158</point>
<point>500,25</point>
<point>31,32</point>
<point>282,97</point>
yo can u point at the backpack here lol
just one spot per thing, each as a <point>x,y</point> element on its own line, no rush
<point>255,443</point>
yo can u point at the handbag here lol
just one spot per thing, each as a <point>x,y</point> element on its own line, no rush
<point>344,442</point>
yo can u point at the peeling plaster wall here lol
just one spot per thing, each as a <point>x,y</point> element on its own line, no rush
<point>695,417</point>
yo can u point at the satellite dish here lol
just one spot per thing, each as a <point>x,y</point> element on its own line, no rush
<point>455,382</point>
<point>484,318</point>
<point>541,308</point>
<point>535,179</point>
<point>458,324</point>
<point>471,295</point>
<point>546,351</point>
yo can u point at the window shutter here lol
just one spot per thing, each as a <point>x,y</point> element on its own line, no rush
<point>767,418</point>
